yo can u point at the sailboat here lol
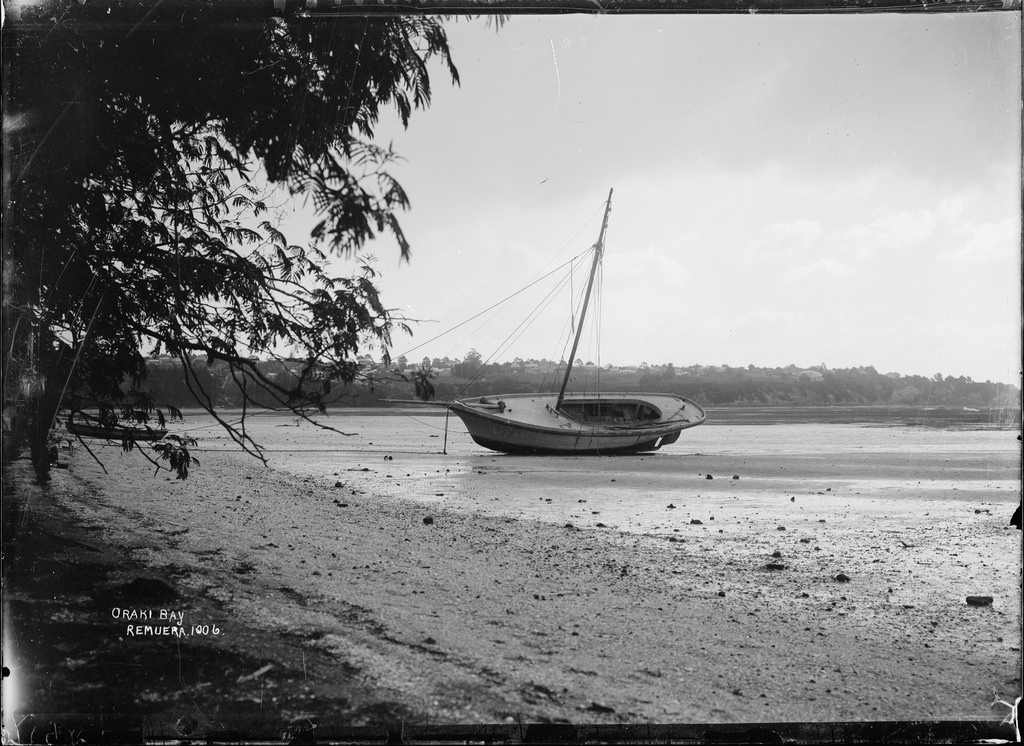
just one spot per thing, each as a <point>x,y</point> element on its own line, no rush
<point>578,423</point>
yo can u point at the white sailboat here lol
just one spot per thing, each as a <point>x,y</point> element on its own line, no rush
<point>579,424</point>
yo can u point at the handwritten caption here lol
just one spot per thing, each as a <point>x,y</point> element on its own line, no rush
<point>161,622</point>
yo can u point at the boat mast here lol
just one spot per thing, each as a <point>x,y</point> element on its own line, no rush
<point>598,253</point>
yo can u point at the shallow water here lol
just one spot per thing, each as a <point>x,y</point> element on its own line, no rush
<point>834,472</point>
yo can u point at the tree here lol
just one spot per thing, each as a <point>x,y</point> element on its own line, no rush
<point>142,144</point>
<point>470,366</point>
<point>423,384</point>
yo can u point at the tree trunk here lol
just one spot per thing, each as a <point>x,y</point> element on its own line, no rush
<point>42,453</point>
<point>40,412</point>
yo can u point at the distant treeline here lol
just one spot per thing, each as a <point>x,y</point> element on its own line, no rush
<point>707,385</point>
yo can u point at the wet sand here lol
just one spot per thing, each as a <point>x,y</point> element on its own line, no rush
<point>581,589</point>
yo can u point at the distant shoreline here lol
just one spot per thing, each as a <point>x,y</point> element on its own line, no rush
<point>868,414</point>
<point>714,386</point>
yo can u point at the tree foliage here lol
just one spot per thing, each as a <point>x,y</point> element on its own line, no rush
<point>141,141</point>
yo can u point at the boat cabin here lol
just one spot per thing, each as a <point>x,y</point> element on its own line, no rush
<point>609,412</point>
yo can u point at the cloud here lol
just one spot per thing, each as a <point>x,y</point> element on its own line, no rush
<point>987,243</point>
<point>785,241</point>
<point>830,268</point>
<point>892,232</point>
<point>643,282</point>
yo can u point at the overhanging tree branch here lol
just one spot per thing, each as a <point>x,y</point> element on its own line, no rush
<point>141,156</point>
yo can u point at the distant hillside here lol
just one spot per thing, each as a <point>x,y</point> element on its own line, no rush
<point>707,385</point>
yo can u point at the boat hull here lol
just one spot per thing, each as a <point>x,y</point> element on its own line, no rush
<point>114,433</point>
<point>529,424</point>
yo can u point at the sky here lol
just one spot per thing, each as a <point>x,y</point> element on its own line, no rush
<point>814,189</point>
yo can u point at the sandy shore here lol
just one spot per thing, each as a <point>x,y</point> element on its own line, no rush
<point>370,605</point>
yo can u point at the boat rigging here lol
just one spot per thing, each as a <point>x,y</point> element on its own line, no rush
<point>574,423</point>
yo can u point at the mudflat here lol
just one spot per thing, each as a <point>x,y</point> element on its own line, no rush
<point>746,574</point>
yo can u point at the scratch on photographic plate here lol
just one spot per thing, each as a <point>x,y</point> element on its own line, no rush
<point>558,79</point>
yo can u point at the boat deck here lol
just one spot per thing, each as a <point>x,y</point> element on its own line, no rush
<point>606,411</point>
